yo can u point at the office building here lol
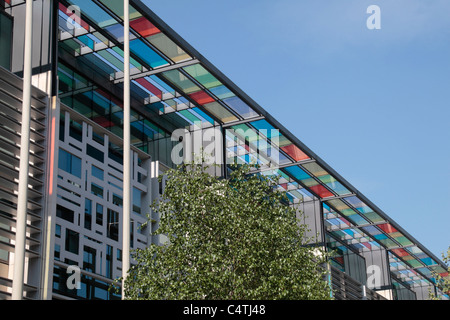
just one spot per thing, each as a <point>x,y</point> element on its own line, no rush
<point>76,170</point>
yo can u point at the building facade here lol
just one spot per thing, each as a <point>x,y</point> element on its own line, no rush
<point>180,103</point>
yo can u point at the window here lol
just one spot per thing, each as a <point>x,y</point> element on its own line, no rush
<point>69,163</point>
<point>137,200</point>
<point>99,214</point>
<point>76,130</point>
<point>72,241</point>
<point>6,26</point>
<point>95,153</point>
<point>89,259</point>
<point>64,213</point>
<point>97,172</point>
<point>113,224</point>
<point>117,200</point>
<point>109,259</point>
<point>58,231</point>
<point>57,252</point>
<point>96,190</point>
<point>88,214</point>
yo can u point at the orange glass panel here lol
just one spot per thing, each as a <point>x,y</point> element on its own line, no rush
<point>294,152</point>
<point>201,97</point>
<point>144,27</point>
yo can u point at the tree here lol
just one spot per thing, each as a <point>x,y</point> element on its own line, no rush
<point>443,281</point>
<point>227,239</point>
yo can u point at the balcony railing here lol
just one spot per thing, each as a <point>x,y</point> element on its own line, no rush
<point>347,288</point>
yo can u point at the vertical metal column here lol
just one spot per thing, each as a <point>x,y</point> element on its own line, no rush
<point>21,220</point>
<point>126,150</point>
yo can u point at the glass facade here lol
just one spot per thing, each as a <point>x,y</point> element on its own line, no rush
<point>174,87</point>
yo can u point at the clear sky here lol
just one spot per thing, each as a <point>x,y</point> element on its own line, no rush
<point>373,104</point>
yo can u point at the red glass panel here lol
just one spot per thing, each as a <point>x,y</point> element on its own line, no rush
<point>367,245</point>
<point>400,252</point>
<point>72,15</point>
<point>294,152</point>
<point>144,27</point>
<point>150,87</point>
<point>201,97</point>
<point>388,228</point>
<point>321,191</point>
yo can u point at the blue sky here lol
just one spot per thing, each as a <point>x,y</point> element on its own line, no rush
<point>373,104</point>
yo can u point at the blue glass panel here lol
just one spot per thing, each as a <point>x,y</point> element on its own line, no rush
<point>87,41</point>
<point>144,52</point>
<point>338,188</point>
<point>221,92</point>
<point>116,30</point>
<point>240,107</point>
<point>158,82</point>
<point>371,230</point>
<point>358,219</point>
<point>428,261</point>
<point>354,201</point>
<point>203,115</point>
<point>94,12</point>
<point>297,173</point>
<point>380,236</point>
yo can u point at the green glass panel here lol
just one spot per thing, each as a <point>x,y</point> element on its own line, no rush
<point>415,263</point>
<point>388,243</point>
<point>111,59</point>
<point>181,81</point>
<point>374,217</point>
<point>168,47</point>
<point>117,8</point>
<point>199,73</point>
<point>403,241</point>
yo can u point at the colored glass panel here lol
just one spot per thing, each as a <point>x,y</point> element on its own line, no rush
<point>113,60</point>
<point>220,112</point>
<point>149,56</point>
<point>74,17</point>
<point>199,73</point>
<point>321,191</point>
<point>386,227</point>
<point>119,54</point>
<point>222,92</point>
<point>94,13</point>
<point>181,81</point>
<point>400,252</point>
<point>297,172</point>
<point>150,87</point>
<point>403,241</point>
<point>294,152</point>
<point>337,204</point>
<point>240,107</point>
<point>201,97</point>
<point>168,47</point>
<point>117,8</point>
<point>144,27</point>
<point>203,115</point>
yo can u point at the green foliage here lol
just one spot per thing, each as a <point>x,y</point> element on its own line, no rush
<point>227,239</point>
<point>443,282</point>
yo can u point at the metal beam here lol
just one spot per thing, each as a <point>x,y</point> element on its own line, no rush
<point>119,75</point>
<point>126,152</point>
<point>234,123</point>
<point>22,201</point>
